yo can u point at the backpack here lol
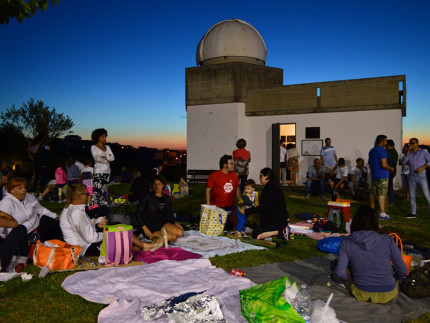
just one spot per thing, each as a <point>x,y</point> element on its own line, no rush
<point>417,283</point>
<point>117,244</point>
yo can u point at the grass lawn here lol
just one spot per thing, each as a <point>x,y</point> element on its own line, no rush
<point>44,300</point>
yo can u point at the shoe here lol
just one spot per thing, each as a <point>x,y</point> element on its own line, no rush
<point>20,263</point>
<point>237,234</point>
<point>385,217</point>
<point>411,216</point>
<point>390,204</point>
<point>285,233</point>
<point>308,197</point>
<point>284,185</point>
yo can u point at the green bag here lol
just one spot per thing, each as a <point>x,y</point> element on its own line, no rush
<point>265,303</point>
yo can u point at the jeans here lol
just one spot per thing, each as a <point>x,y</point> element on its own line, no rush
<point>421,180</point>
<point>391,189</point>
<point>242,181</point>
<point>284,176</point>
<point>318,186</point>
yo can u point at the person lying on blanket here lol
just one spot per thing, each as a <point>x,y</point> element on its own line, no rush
<point>272,209</point>
<point>369,255</point>
<point>78,229</point>
<point>154,215</point>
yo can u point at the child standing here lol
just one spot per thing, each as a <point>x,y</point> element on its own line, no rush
<point>86,178</point>
<point>249,199</point>
<point>60,179</point>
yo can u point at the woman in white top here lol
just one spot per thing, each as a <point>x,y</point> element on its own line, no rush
<point>20,215</point>
<point>103,156</point>
<point>78,229</point>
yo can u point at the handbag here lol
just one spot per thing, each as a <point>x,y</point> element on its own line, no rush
<point>212,220</point>
<point>266,303</point>
<point>117,244</point>
<point>406,258</point>
<point>56,255</point>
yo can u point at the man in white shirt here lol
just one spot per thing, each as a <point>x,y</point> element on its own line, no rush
<point>358,179</point>
<point>338,183</point>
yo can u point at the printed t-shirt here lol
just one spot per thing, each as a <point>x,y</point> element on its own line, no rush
<point>223,188</point>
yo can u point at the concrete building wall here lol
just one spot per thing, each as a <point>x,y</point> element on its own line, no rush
<point>353,134</point>
<point>212,131</point>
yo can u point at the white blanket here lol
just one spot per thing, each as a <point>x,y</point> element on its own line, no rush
<point>127,289</point>
<point>210,246</point>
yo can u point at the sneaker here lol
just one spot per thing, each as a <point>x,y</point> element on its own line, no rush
<point>411,216</point>
<point>237,234</point>
<point>285,233</point>
<point>308,197</point>
<point>384,217</point>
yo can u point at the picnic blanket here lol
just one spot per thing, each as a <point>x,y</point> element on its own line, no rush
<point>315,272</point>
<point>210,246</point>
<point>127,289</point>
<point>177,254</point>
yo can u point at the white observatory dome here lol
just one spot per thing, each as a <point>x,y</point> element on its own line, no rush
<point>231,41</point>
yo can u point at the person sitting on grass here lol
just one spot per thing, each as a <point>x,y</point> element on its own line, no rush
<point>249,199</point>
<point>337,184</point>
<point>20,215</point>
<point>272,209</point>
<point>369,255</point>
<point>154,215</point>
<point>79,230</point>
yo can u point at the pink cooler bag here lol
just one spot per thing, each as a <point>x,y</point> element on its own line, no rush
<point>117,243</point>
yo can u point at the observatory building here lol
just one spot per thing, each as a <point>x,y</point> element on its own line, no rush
<point>232,94</point>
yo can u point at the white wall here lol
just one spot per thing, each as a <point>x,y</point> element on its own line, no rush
<point>212,131</point>
<point>352,133</point>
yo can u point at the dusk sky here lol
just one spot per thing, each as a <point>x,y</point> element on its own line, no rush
<point>121,65</point>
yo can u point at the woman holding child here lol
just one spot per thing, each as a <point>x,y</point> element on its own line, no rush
<point>272,209</point>
<point>369,255</point>
<point>155,216</point>
<point>79,229</point>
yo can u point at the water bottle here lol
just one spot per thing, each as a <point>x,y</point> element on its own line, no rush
<point>302,303</point>
<point>34,237</point>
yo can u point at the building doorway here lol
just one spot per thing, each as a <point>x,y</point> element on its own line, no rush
<point>284,133</point>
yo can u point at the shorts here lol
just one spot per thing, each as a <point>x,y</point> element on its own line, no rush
<point>374,297</point>
<point>379,187</point>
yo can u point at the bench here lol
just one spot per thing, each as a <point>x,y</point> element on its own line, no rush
<point>199,175</point>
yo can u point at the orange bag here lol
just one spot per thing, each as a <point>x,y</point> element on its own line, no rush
<point>406,258</point>
<point>63,257</point>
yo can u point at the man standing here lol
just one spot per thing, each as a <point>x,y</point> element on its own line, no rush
<point>379,170</point>
<point>418,160</point>
<point>358,179</point>
<point>328,158</point>
<point>223,185</point>
<point>393,158</point>
<point>316,179</point>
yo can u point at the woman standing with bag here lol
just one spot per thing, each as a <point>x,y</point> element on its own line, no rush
<point>103,156</point>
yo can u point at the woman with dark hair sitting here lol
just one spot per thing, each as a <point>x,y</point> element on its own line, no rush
<point>272,209</point>
<point>79,230</point>
<point>154,215</point>
<point>369,255</point>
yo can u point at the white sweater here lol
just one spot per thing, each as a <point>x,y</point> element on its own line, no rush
<point>77,227</point>
<point>101,165</point>
<point>26,212</point>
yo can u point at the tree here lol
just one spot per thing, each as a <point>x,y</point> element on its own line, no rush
<point>21,9</point>
<point>35,120</point>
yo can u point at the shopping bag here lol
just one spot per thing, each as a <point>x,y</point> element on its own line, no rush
<point>406,258</point>
<point>212,219</point>
<point>117,244</point>
<point>56,255</point>
<point>265,303</point>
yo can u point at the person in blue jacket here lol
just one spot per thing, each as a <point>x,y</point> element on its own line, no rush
<point>370,256</point>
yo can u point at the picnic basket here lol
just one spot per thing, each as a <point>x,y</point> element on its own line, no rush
<point>212,219</point>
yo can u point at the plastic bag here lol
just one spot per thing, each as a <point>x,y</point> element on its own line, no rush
<point>322,312</point>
